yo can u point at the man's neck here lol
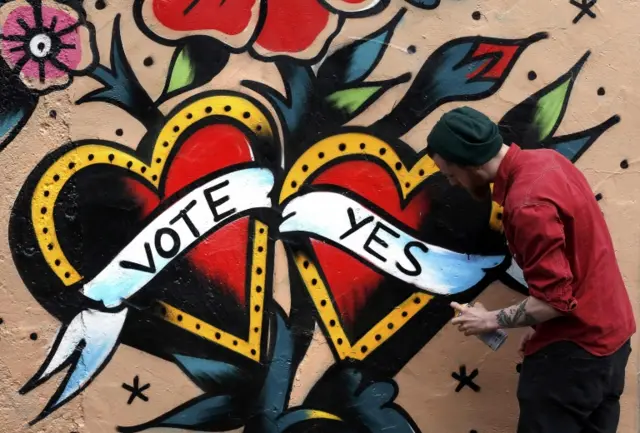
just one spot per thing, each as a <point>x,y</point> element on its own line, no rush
<point>492,167</point>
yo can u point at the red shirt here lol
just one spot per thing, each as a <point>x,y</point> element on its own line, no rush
<point>558,236</point>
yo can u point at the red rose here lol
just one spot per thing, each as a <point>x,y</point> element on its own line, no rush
<point>293,28</point>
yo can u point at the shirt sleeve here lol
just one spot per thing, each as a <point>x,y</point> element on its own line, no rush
<point>538,235</point>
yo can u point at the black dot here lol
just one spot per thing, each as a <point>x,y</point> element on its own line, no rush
<point>208,110</point>
<point>257,308</point>
<point>100,4</point>
<point>189,115</point>
<point>179,317</point>
<point>364,349</point>
<point>71,165</point>
<point>259,128</point>
<point>143,169</point>
<point>261,231</point>
<point>294,184</point>
<point>111,157</point>
<point>362,146</point>
<point>45,230</point>
<point>258,289</point>
<point>305,168</point>
<point>129,164</point>
<point>197,326</point>
<point>305,264</point>
<point>339,341</point>
<point>323,302</point>
<point>91,157</point>
<point>332,322</point>
<point>56,178</point>
<point>416,300</point>
<point>119,132</point>
<point>342,147</point>
<point>601,91</point>
<point>154,177</point>
<point>378,337</point>
<point>624,164</point>
<point>260,249</point>
<point>57,262</point>
<point>473,431</point>
<point>148,61</point>
<point>383,151</point>
<point>33,336</point>
<point>476,15</point>
<point>253,351</point>
<point>1,321</point>
<point>53,114</point>
<point>421,172</point>
<point>165,144</point>
<point>43,210</point>
<point>227,108</point>
<point>246,114</point>
<point>407,184</point>
<point>258,271</point>
<point>532,75</point>
<point>50,247</point>
<point>158,160</point>
<point>499,216</point>
<point>411,49</point>
<point>218,336</point>
<point>67,274</point>
<point>398,166</point>
<point>599,196</point>
<point>314,282</point>
<point>390,325</point>
<point>41,46</point>
<point>235,342</point>
<point>405,314</point>
<point>176,128</point>
<point>321,155</point>
<point>46,193</point>
<point>256,329</point>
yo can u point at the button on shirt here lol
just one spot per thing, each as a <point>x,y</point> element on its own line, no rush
<point>559,238</point>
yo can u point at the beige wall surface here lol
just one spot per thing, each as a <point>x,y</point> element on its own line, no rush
<point>214,214</point>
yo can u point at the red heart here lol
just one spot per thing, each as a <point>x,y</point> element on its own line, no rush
<point>351,281</point>
<point>207,150</point>
<point>229,17</point>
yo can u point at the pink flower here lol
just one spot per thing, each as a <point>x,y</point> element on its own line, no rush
<point>292,28</point>
<point>46,42</point>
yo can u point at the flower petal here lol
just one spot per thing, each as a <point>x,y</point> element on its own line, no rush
<point>44,76</point>
<point>298,29</point>
<point>355,6</point>
<point>232,22</point>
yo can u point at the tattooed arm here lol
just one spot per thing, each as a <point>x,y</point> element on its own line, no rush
<point>530,311</point>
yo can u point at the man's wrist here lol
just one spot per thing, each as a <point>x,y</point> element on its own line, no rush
<point>492,321</point>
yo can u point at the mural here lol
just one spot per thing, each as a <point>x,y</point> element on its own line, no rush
<point>168,245</point>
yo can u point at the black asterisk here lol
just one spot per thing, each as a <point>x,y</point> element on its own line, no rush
<point>136,390</point>
<point>585,9</point>
<point>466,380</point>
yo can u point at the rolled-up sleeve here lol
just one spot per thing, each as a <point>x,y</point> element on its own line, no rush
<point>539,241</point>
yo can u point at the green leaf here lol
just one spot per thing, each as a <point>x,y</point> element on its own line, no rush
<point>352,99</point>
<point>549,109</point>
<point>182,71</point>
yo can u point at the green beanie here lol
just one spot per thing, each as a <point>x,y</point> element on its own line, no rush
<point>465,136</point>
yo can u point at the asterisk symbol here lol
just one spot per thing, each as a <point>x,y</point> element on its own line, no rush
<point>466,380</point>
<point>585,9</point>
<point>136,390</point>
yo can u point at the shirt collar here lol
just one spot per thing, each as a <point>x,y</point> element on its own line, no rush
<point>502,180</point>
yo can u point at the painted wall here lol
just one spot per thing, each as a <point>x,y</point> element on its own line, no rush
<point>220,216</point>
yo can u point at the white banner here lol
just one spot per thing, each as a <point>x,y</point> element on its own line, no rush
<point>183,224</point>
<point>335,217</point>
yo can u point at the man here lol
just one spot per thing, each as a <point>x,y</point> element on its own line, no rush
<point>573,373</point>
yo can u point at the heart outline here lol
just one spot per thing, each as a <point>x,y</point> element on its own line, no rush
<point>152,172</point>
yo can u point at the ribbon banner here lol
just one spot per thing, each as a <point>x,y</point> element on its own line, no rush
<point>185,223</point>
<point>344,221</point>
<point>92,336</point>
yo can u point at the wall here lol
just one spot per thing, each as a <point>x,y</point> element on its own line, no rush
<point>219,215</point>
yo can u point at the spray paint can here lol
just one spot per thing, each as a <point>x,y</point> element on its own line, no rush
<point>493,339</point>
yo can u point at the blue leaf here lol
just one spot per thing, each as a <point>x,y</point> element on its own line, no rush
<point>210,374</point>
<point>16,105</point>
<point>574,145</point>
<point>354,62</point>
<point>424,4</point>
<point>208,413</point>
<point>298,84</point>
<point>11,121</point>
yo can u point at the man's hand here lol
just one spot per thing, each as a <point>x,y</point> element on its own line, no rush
<point>525,338</point>
<point>474,320</point>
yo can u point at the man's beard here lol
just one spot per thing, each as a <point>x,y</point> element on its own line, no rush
<point>480,192</point>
